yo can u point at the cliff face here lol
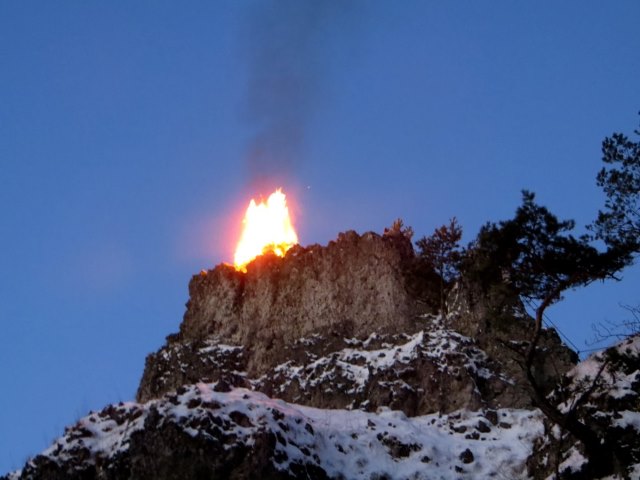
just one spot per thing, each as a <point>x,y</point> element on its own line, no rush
<point>353,318</point>
<point>370,382</point>
<point>355,284</point>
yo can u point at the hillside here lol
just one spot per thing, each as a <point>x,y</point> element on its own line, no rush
<point>333,362</point>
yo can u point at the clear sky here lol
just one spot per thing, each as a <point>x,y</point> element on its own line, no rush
<point>132,135</point>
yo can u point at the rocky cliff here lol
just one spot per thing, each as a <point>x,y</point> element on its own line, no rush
<point>371,381</point>
<point>355,318</point>
<point>355,284</point>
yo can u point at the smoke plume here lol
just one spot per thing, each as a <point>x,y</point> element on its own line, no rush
<point>284,81</point>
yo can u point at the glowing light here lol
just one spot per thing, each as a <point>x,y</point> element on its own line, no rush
<point>267,227</point>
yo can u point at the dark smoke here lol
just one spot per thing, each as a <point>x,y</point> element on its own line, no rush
<point>285,78</point>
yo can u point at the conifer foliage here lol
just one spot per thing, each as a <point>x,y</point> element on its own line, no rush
<point>619,223</point>
<point>442,253</point>
<point>535,256</point>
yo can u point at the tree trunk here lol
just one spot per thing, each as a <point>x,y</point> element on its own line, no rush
<point>600,453</point>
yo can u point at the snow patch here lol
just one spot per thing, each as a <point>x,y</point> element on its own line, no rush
<point>344,443</point>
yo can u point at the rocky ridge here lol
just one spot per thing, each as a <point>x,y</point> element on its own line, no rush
<point>371,382</point>
<point>355,284</point>
<point>314,321</point>
<point>434,369</point>
<point>208,430</point>
<point>198,432</point>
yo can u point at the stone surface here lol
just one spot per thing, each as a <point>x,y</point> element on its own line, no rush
<point>349,326</point>
<point>199,433</point>
<point>502,328</point>
<point>359,283</point>
<point>435,369</point>
<point>300,326</point>
<point>355,285</point>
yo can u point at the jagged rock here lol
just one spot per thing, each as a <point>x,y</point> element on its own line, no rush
<point>359,283</point>
<point>186,363</point>
<point>296,322</point>
<point>432,370</point>
<point>355,284</point>
<point>501,326</point>
<point>201,433</point>
<point>349,328</point>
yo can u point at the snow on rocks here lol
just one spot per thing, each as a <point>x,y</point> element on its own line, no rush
<point>107,432</point>
<point>430,369</point>
<point>414,372</point>
<point>210,429</point>
<point>293,441</point>
<point>603,392</point>
<point>607,381</point>
<point>179,363</point>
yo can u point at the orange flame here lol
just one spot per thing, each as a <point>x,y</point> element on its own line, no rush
<point>266,228</point>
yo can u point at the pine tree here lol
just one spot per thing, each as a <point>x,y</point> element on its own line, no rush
<point>619,223</point>
<point>442,253</point>
<point>539,258</point>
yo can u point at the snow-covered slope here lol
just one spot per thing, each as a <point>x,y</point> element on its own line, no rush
<point>435,369</point>
<point>227,431</point>
<point>332,363</point>
<point>603,392</point>
<point>209,430</point>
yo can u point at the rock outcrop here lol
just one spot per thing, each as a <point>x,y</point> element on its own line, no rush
<point>355,284</point>
<point>208,430</point>
<point>371,381</point>
<point>434,369</point>
<point>200,433</point>
<point>354,318</point>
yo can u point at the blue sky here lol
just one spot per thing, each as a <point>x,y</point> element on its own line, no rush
<point>133,135</point>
